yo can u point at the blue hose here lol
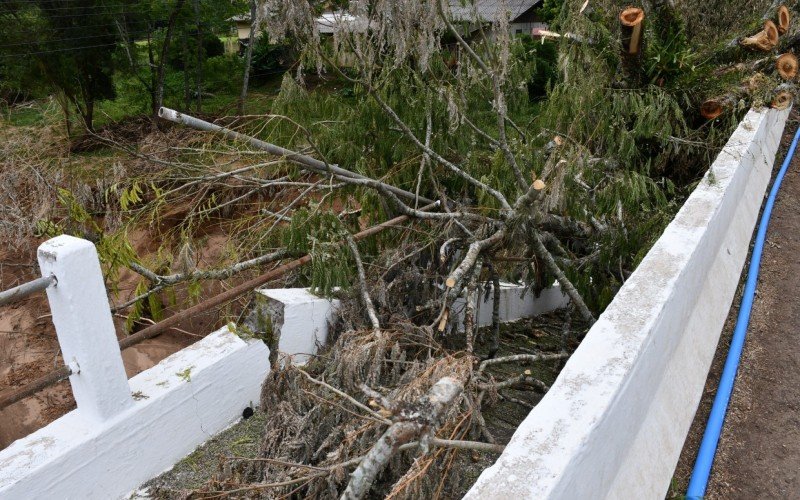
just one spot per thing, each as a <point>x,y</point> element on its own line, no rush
<point>708,447</point>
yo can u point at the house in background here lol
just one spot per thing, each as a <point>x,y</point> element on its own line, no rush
<point>242,26</point>
<point>523,14</point>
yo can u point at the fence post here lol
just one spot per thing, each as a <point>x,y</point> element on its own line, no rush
<point>84,326</point>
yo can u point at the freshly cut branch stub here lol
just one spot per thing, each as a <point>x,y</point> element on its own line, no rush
<point>765,40</point>
<point>713,108</point>
<point>786,65</point>
<point>538,184</point>
<point>782,100</point>
<point>783,96</point>
<point>784,19</point>
<point>632,21</point>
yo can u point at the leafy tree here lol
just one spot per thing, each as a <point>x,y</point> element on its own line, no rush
<point>67,44</point>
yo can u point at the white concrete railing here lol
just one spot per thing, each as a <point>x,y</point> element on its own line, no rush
<point>299,320</point>
<point>614,423</point>
<point>123,432</point>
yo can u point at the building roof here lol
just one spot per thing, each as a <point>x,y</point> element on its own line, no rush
<point>486,10</point>
<point>330,22</point>
<point>462,10</point>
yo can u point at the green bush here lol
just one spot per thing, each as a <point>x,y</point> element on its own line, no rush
<point>212,47</point>
<point>269,58</point>
<point>540,61</point>
<point>223,73</point>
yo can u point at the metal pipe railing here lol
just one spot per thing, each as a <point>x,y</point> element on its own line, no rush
<point>10,397</point>
<point>26,289</point>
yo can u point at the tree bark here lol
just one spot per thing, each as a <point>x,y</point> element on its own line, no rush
<point>632,28</point>
<point>632,32</point>
<point>198,73</point>
<point>783,96</point>
<point>162,62</point>
<point>421,421</point>
<point>763,41</point>
<point>249,56</point>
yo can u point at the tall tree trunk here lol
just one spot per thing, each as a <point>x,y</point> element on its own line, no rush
<point>89,117</point>
<point>198,75</point>
<point>162,62</point>
<point>249,56</point>
<point>187,98</point>
<point>151,60</point>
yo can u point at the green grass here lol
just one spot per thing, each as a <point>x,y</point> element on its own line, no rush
<point>26,117</point>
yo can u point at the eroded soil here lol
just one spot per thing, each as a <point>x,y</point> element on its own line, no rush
<point>29,348</point>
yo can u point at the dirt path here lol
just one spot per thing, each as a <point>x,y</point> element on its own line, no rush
<point>759,453</point>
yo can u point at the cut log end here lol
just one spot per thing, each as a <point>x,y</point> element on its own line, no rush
<point>711,109</point>
<point>786,64</point>
<point>765,40</point>
<point>782,100</point>
<point>632,16</point>
<point>451,282</point>
<point>538,185</point>
<point>773,35</point>
<point>632,21</point>
<point>784,19</point>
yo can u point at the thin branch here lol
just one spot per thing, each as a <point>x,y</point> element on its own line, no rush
<point>566,285</point>
<point>347,397</point>
<point>362,279</point>
<point>430,409</point>
<point>530,358</point>
<point>219,274</point>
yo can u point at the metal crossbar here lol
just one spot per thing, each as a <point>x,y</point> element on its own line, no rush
<point>26,289</point>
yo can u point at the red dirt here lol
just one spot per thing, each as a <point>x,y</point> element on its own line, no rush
<point>29,347</point>
<point>759,452</point>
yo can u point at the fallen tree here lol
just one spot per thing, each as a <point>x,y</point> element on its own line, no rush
<point>438,105</point>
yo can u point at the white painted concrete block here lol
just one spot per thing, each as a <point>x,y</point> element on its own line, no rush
<point>515,304</point>
<point>178,404</point>
<point>84,327</point>
<point>299,321</point>
<point>614,423</point>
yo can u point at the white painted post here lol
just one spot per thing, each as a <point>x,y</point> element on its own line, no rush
<point>85,330</point>
<point>299,321</point>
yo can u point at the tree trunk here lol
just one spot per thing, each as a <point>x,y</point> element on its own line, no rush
<point>249,56</point>
<point>632,32</point>
<point>783,19</point>
<point>783,96</point>
<point>187,98</point>
<point>162,62</point>
<point>431,408</point>
<point>87,114</point>
<point>786,66</point>
<point>198,75</point>
<point>632,27</point>
<point>715,107</point>
<point>765,40</point>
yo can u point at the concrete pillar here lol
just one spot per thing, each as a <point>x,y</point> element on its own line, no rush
<point>84,326</point>
<point>298,321</point>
